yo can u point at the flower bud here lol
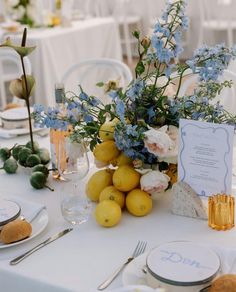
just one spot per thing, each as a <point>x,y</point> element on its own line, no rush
<point>146,42</point>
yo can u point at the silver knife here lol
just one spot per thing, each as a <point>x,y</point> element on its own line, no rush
<point>37,247</point>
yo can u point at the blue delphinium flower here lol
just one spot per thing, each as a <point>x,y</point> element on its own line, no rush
<point>38,108</point>
<point>210,62</point>
<point>136,89</point>
<point>165,41</point>
<point>120,109</point>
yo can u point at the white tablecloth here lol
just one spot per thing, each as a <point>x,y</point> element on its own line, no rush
<point>60,48</point>
<point>80,260</point>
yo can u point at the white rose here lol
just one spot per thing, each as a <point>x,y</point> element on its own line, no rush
<point>163,142</point>
<point>154,182</point>
<point>158,142</point>
<point>172,155</point>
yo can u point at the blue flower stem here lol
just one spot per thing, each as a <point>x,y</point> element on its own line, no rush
<point>180,81</point>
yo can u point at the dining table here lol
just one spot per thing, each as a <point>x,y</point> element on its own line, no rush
<point>86,256</point>
<point>59,48</point>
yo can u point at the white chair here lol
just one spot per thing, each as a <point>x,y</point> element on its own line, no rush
<point>92,8</point>
<point>217,16</point>
<point>89,72</point>
<point>227,96</point>
<point>127,22</point>
<point>10,69</point>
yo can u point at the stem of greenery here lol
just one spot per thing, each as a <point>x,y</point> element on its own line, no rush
<point>27,91</point>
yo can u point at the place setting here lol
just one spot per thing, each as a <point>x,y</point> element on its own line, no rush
<point>132,193</point>
<point>14,122</point>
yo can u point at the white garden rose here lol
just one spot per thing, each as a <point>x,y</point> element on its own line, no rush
<point>163,143</point>
<point>154,182</point>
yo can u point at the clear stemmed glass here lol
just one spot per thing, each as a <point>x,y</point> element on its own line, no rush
<point>75,206</point>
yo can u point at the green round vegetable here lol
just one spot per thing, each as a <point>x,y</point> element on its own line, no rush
<point>32,160</point>
<point>41,168</point>
<point>29,145</point>
<point>10,165</point>
<point>24,153</point>
<point>44,155</point>
<point>38,180</point>
<point>5,153</point>
<point>16,150</point>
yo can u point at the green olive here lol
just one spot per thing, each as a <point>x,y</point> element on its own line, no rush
<point>29,145</point>
<point>32,160</point>
<point>16,150</point>
<point>24,153</point>
<point>5,153</point>
<point>10,165</point>
<point>41,168</point>
<point>44,155</point>
<point>38,180</point>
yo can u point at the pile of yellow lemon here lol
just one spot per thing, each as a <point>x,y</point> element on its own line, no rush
<point>115,189</point>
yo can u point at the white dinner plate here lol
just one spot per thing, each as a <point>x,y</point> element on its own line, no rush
<point>18,132</point>
<point>133,274</point>
<point>38,225</point>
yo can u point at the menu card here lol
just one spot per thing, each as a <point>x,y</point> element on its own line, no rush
<point>205,156</point>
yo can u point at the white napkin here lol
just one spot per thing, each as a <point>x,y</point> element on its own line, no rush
<point>29,210</point>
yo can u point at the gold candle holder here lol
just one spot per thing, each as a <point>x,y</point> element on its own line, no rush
<point>221,212</point>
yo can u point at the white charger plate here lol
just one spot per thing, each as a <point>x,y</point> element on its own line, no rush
<point>38,225</point>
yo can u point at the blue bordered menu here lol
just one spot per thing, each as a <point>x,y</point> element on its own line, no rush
<point>205,156</point>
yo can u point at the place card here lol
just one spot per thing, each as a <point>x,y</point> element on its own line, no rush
<point>205,156</point>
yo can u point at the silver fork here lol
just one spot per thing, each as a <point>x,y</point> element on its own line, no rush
<point>139,249</point>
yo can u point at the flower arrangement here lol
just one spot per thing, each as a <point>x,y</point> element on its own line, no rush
<point>142,119</point>
<point>22,11</point>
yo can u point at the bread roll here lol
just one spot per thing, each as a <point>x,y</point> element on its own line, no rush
<point>225,283</point>
<point>15,230</point>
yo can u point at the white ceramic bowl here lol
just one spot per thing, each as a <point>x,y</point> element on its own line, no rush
<point>9,211</point>
<point>181,266</point>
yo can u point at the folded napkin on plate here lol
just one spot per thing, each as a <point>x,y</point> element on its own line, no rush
<point>29,210</point>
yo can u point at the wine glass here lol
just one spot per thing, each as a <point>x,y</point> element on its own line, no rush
<point>75,206</point>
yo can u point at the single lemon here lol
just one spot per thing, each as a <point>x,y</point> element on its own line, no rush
<point>97,182</point>
<point>107,129</point>
<point>111,193</point>
<point>107,213</point>
<point>122,159</point>
<point>138,202</point>
<point>106,151</point>
<point>126,178</point>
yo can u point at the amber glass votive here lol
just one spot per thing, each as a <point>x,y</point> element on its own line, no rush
<point>221,212</point>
